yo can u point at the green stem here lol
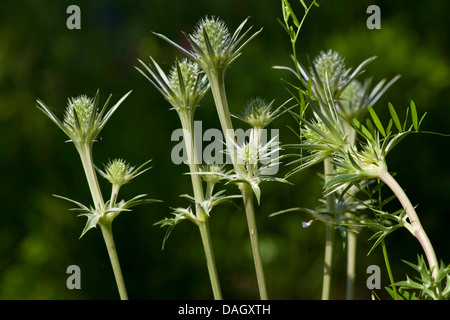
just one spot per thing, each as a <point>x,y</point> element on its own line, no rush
<point>416,227</point>
<point>85,151</point>
<point>329,236</point>
<point>217,83</point>
<point>114,194</point>
<point>210,261</point>
<point>251,221</point>
<point>187,122</point>
<point>106,228</point>
<point>388,267</point>
<point>351,261</point>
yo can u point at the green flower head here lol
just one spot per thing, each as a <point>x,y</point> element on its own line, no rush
<point>259,113</point>
<point>79,110</point>
<point>213,46</point>
<point>83,120</point>
<point>185,85</point>
<point>119,172</point>
<point>329,65</point>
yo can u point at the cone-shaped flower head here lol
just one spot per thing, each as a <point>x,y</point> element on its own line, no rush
<point>83,120</point>
<point>213,46</point>
<point>329,65</point>
<point>212,173</point>
<point>79,111</point>
<point>185,85</point>
<point>119,172</point>
<point>259,113</point>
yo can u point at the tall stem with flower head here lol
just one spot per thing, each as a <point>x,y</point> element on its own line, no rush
<point>82,123</point>
<point>214,48</point>
<point>184,88</point>
<point>187,123</point>
<point>220,98</point>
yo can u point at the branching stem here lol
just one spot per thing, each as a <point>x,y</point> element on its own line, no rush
<point>218,90</point>
<point>85,151</point>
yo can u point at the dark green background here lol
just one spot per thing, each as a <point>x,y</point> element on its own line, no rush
<point>41,58</point>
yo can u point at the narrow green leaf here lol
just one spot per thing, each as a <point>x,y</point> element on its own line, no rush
<point>366,133</point>
<point>421,119</point>
<point>376,120</point>
<point>414,116</point>
<point>395,117</point>
<point>284,211</point>
<point>389,127</point>
<point>304,4</point>
<point>406,119</point>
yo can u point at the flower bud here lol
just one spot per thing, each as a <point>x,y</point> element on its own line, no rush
<point>83,107</point>
<point>329,64</point>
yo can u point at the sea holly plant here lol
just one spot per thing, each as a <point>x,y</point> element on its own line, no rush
<point>338,102</point>
<point>214,48</point>
<point>184,87</point>
<point>366,161</point>
<point>82,123</point>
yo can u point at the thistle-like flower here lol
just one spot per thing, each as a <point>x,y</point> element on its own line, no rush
<point>368,160</point>
<point>329,67</point>
<point>184,87</point>
<point>259,113</point>
<point>357,96</point>
<point>119,172</point>
<point>82,120</point>
<point>213,47</point>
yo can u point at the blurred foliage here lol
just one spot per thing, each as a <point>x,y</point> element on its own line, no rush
<point>41,58</point>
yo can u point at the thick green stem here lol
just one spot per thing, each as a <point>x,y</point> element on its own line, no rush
<point>106,228</point>
<point>85,151</point>
<point>329,236</point>
<point>251,221</point>
<point>217,83</point>
<point>187,122</point>
<point>416,227</point>
<point>210,261</point>
<point>218,90</point>
<point>351,261</point>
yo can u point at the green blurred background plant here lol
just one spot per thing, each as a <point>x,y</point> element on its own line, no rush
<point>41,58</point>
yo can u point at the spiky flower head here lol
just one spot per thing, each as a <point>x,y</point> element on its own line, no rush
<point>215,31</point>
<point>212,173</point>
<point>80,107</point>
<point>213,46</point>
<point>119,172</point>
<point>357,96</point>
<point>83,120</point>
<point>188,82</point>
<point>185,85</point>
<point>329,65</point>
<point>253,151</point>
<point>259,113</point>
